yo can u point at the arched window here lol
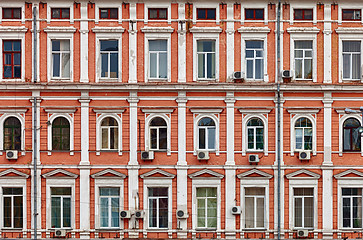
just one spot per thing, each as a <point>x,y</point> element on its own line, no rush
<point>351,135</point>
<point>109,132</point>
<point>255,134</point>
<point>60,134</point>
<point>158,134</point>
<point>12,134</point>
<point>206,134</point>
<point>303,134</point>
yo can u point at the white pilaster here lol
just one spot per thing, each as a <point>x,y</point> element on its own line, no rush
<point>327,43</point>
<point>84,202</point>
<point>327,203</point>
<point>132,44</point>
<point>182,100</point>
<point>182,199</point>
<point>327,128</point>
<point>84,100</point>
<point>133,100</point>
<point>230,127</point>
<point>84,42</point>
<point>230,40</point>
<point>182,43</point>
<point>230,178</point>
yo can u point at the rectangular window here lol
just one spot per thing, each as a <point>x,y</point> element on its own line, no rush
<point>303,59</point>
<point>352,207</point>
<point>206,55</point>
<point>109,207</point>
<point>351,15</point>
<point>60,13</point>
<point>108,13</point>
<point>158,207</point>
<point>11,13</point>
<point>158,13</point>
<point>254,60</point>
<point>13,207</point>
<point>304,207</point>
<point>207,207</point>
<point>254,207</point>
<point>12,58</point>
<point>206,14</point>
<point>158,59</point>
<point>60,207</point>
<point>109,59</point>
<point>352,60</point>
<point>303,14</point>
<point>254,14</point>
<point>61,59</point>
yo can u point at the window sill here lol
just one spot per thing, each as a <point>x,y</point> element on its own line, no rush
<point>65,228</point>
<point>109,80</point>
<point>158,80</point>
<point>206,229</point>
<point>109,229</point>
<point>60,80</point>
<point>254,229</point>
<point>302,228</point>
<point>254,150</point>
<point>207,79</point>
<point>12,229</point>
<point>158,229</point>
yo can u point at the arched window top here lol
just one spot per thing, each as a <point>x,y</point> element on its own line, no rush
<point>157,121</point>
<point>303,122</point>
<point>255,122</point>
<point>12,134</point>
<point>109,121</point>
<point>206,121</point>
<point>12,122</point>
<point>351,123</point>
<point>60,122</point>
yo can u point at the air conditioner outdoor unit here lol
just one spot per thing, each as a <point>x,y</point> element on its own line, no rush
<point>181,214</point>
<point>60,233</point>
<point>236,210</point>
<point>253,158</point>
<point>286,74</point>
<point>139,213</point>
<point>12,154</point>
<point>125,214</point>
<point>238,75</point>
<point>304,155</point>
<point>302,233</point>
<point>147,155</point>
<point>203,155</point>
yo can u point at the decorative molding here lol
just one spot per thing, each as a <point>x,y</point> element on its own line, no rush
<point>108,29</point>
<point>264,30</point>
<point>353,171</point>
<point>157,29</point>
<point>11,170</point>
<point>13,110</point>
<point>294,175</point>
<point>254,110</point>
<point>206,171</point>
<point>157,171</point>
<point>60,29</point>
<point>350,30</point>
<point>302,111</point>
<point>246,174</point>
<point>12,29</point>
<point>60,110</point>
<point>101,174</point>
<point>205,30</point>
<point>109,110</point>
<point>304,30</point>
<point>206,110</point>
<point>157,110</point>
<point>61,171</point>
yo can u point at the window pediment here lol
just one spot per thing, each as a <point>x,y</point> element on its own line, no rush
<point>343,30</point>
<point>205,30</point>
<point>59,173</point>
<point>303,174</point>
<point>108,29</point>
<point>254,173</point>
<point>206,110</point>
<point>157,30</point>
<point>60,110</point>
<point>264,30</point>
<point>108,173</point>
<point>12,173</point>
<point>304,30</point>
<point>157,173</point>
<point>303,110</point>
<point>109,110</point>
<point>60,29</point>
<point>205,173</point>
<point>157,110</point>
<point>13,110</point>
<point>255,110</point>
<point>11,29</point>
<point>350,174</point>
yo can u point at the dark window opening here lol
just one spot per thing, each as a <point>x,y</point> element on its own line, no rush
<point>206,14</point>
<point>303,14</point>
<point>351,14</point>
<point>158,13</point>
<point>60,13</point>
<point>254,14</point>
<point>108,13</point>
<point>11,13</point>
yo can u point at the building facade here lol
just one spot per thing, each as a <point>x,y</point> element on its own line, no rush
<point>158,119</point>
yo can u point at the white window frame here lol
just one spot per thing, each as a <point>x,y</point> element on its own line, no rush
<point>100,116</point>
<point>108,4</point>
<point>67,114</point>
<point>294,197</point>
<point>156,33</point>
<point>303,5</point>
<point>345,5</point>
<point>148,5</point>
<point>351,54</point>
<point>197,5</point>
<point>60,4</point>
<point>13,4</point>
<point>342,118</point>
<point>254,5</point>
<point>20,115</point>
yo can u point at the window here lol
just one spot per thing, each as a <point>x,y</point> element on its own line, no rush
<point>60,13</point>
<point>158,207</point>
<point>254,14</point>
<point>206,134</point>
<point>351,135</point>
<point>61,59</point>
<point>304,207</point>
<point>303,59</point>
<point>255,134</point>
<point>254,207</point>
<point>254,59</point>
<point>11,13</point>
<point>12,134</point>
<point>352,207</point>
<point>303,134</point>
<point>158,134</point>
<point>158,13</point>
<point>13,207</point>
<point>351,15</point>
<point>109,209</point>
<point>109,132</point>
<point>60,134</point>
<point>12,58</point>
<point>207,207</point>
<point>351,60</point>
<point>60,207</point>
<point>206,55</point>
<point>303,14</point>
<point>206,14</point>
<point>109,59</point>
<point>108,13</point>
<point>158,59</point>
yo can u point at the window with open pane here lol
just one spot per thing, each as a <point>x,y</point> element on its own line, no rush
<point>351,135</point>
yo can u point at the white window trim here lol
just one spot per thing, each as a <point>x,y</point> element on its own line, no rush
<point>205,5</point>
<point>61,35</point>
<point>100,117</point>
<point>148,5</point>
<point>13,33</point>
<point>60,182</point>
<point>255,183</point>
<point>70,117</point>
<point>158,182</point>
<point>108,4</point>
<point>60,4</point>
<point>349,34</point>
<point>108,182</point>
<point>200,183</point>
<point>303,5</point>
<point>304,34</point>
<point>344,5</point>
<point>157,33</point>
<point>302,183</point>
<point>254,5</point>
<point>13,182</point>
<point>342,118</point>
<point>13,4</point>
<point>21,117</point>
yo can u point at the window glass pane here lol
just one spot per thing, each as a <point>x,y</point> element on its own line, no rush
<point>211,14</point>
<point>115,212</point>
<point>109,45</point>
<point>104,138</point>
<point>251,138</point>
<point>153,65</point>
<point>346,212</point>
<point>355,139</point>
<point>202,138</point>
<point>55,13</point>
<point>298,68</point>
<point>7,212</point>
<point>346,139</point>
<point>104,65</point>
<point>114,13</point>
<point>211,138</point>
<point>201,14</point>
<point>103,13</point>
<point>211,65</point>
<point>259,14</point>
<point>255,191</point>
<point>308,74</point>
<point>104,212</point>
<point>152,212</point>
<point>356,66</point>
<point>163,65</point>
<point>249,212</point>
<point>153,13</point>
<point>163,13</point>
<point>351,46</point>
<point>346,65</point>
<point>7,72</point>
<point>249,67</point>
<point>66,212</point>
<point>162,138</point>
<point>18,211</point>
<point>259,69</point>
<point>249,14</point>
<point>56,212</point>
<point>153,138</point>
<point>65,13</point>
<point>260,212</point>
<point>61,191</point>
<point>309,212</point>
<point>113,138</point>
<point>66,65</point>
<point>298,14</point>
<point>357,212</point>
<point>114,65</point>
<point>206,122</point>
<point>163,212</point>
<point>298,212</point>
<point>201,66</point>
<point>201,192</point>
<point>158,45</point>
